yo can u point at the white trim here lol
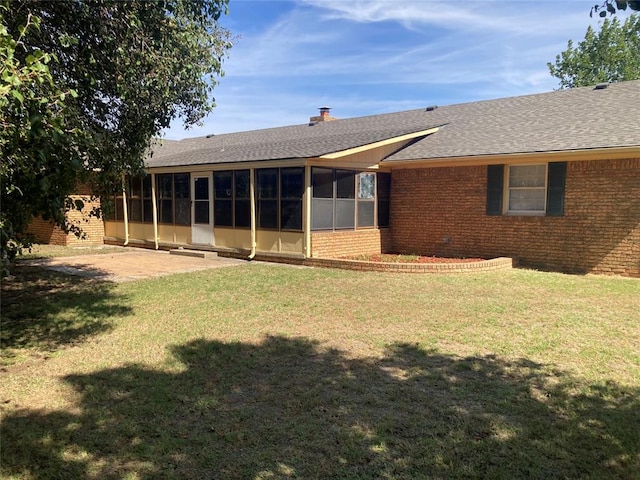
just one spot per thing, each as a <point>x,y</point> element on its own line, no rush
<point>507,191</point>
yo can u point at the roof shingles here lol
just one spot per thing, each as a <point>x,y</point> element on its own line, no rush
<point>580,118</point>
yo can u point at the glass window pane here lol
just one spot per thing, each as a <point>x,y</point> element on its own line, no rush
<point>322,214</point>
<point>108,207</point>
<point>147,210</point>
<point>345,184</point>
<point>242,183</point>
<point>345,213</point>
<point>322,182</point>
<point>222,213</point>
<point>243,213</point>
<point>201,212</point>
<point>201,188</point>
<point>527,199</point>
<point>183,211</point>
<point>222,184</point>
<point>181,185</point>
<point>366,185</point>
<point>165,186</point>
<point>267,179</point>
<point>291,214</point>
<point>119,210</point>
<point>136,187</point>
<point>292,182</point>
<point>365,214</point>
<point>146,186</point>
<point>135,210</point>
<point>268,213</point>
<point>527,176</point>
<point>165,213</point>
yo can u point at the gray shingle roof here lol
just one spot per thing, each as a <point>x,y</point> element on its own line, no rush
<point>575,119</point>
<point>581,118</point>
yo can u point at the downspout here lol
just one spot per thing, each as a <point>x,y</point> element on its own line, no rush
<point>125,212</point>
<point>252,196</point>
<point>154,204</point>
<point>307,212</point>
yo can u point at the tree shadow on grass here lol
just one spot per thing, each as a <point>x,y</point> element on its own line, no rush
<point>43,310</point>
<point>285,408</point>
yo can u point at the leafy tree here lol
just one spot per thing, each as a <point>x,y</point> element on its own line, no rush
<point>613,6</point>
<point>86,85</point>
<point>610,55</point>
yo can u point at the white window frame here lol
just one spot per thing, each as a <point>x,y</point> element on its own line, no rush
<point>507,190</point>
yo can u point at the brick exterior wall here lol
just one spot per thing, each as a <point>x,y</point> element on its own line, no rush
<point>441,211</point>
<point>349,242</point>
<point>46,232</point>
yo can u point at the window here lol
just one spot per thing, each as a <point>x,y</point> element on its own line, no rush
<point>183,199</point>
<point>174,202</point>
<point>292,188</point>
<point>147,200</point>
<point>135,199</point>
<point>366,199</point>
<point>279,198</point>
<point>242,190</point>
<point>139,206</point>
<point>345,206</point>
<point>345,199</point>
<point>527,189</point>
<point>322,204</point>
<point>165,198</point>
<point>267,181</point>
<point>223,199</point>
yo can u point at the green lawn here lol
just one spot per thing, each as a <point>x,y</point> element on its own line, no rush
<point>270,372</point>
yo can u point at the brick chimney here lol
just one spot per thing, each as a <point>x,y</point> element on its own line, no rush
<point>323,117</point>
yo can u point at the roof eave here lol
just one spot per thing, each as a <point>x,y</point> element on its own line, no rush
<point>381,143</point>
<point>608,153</point>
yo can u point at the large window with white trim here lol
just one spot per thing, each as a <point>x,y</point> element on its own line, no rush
<point>527,189</point>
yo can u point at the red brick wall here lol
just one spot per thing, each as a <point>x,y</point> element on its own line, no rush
<point>441,211</point>
<point>46,232</point>
<point>349,242</point>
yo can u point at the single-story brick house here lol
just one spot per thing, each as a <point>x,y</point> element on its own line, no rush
<point>552,180</point>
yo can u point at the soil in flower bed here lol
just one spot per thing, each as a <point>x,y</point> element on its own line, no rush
<point>404,258</point>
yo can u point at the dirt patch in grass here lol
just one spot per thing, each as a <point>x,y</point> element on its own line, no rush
<point>407,258</point>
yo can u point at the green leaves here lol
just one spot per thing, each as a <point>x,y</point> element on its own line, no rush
<point>88,89</point>
<point>610,55</point>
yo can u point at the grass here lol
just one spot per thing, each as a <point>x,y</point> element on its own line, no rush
<point>267,371</point>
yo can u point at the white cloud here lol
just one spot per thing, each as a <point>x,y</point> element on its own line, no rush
<point>365,57</point>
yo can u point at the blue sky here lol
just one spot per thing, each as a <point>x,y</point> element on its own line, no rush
<point>364,57</point>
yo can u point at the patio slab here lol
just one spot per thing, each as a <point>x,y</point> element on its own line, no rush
<point>132,264</point>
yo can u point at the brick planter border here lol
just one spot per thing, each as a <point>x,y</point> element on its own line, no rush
<point>501,263</point>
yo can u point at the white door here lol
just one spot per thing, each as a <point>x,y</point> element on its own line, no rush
<point>202,211</point>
